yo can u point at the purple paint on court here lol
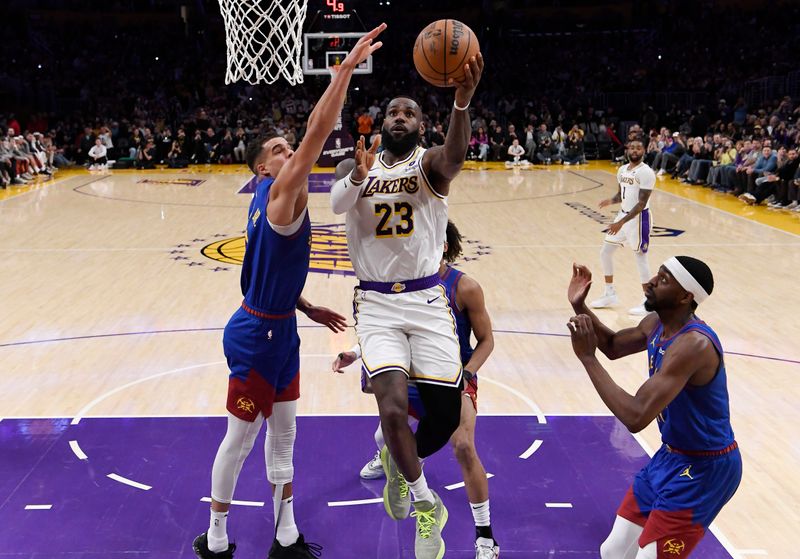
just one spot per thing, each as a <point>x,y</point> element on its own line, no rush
<point>318,182</point>
<point>586,461</point>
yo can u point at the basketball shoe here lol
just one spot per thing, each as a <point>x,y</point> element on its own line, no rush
<point>373,469</point>
<point>431,518</point>
<point>396,495</point>
<point>608,300</point>
<point>200,546</point>
<point>486,548</point>
<point>638,310</point>
<point>301,549</point>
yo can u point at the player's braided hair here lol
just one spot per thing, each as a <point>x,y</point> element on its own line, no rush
<point>453,243</point>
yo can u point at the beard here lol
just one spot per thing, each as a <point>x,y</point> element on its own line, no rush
<point>400,146</point>
<point>634,158</point>
<point>648,306</point>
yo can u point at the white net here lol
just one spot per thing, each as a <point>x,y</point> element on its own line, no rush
<point>264,40</point>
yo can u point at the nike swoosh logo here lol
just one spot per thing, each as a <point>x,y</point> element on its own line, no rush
<point>432,300</point>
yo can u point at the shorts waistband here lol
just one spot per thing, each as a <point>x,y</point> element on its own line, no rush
<point>400,286</point>
<point>270,316</point>
<point>730,448</point>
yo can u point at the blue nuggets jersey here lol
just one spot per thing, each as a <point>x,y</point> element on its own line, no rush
<point>275,267</point>
<point>698,419</point>
<point>463,326</point>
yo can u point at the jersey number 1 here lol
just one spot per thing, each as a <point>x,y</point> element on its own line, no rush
<point>402,229</point>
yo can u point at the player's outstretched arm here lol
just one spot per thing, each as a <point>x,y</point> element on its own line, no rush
<point>291,183</point>
<point>443,163</point>
<point>692,354</point>
<point>613,344</point>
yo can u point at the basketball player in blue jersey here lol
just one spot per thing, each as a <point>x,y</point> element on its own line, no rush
<point>396,206</point>
<point>673,499</point>
<point>468,306</point>
<point>260,341</point>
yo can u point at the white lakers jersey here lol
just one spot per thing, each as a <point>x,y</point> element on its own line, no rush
<point>631,181</point>
<point>396,230</point>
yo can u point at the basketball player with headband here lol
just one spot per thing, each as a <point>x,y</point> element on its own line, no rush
<point>396,206</point>
<point>677,495</point>
<point>261,343</point>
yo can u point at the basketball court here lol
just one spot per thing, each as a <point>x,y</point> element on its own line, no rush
<point>117,286</point>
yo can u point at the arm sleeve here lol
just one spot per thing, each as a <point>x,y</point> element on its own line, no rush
<point>344,195</point>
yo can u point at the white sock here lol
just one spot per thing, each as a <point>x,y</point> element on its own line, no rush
<point>610,289</point>
<point>287,529</point>
<point>484,541</point>
<point>379,440</point>
<point>480,512</point>
<point>218,532</point>
<point>420,490</point>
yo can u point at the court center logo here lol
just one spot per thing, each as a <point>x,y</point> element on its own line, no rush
<point>329,255</point>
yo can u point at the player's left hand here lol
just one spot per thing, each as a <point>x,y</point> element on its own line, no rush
<point>331,319</point>
<point>343,360</point>
<point>584,339</point>
<point>465,88</point>
<point>579,285</point>
<point>614,228</point>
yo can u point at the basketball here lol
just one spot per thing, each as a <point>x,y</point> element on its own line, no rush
<point>442,49</point>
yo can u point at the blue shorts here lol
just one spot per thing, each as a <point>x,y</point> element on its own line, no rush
<point>676,497</point>
<point>263,356</point>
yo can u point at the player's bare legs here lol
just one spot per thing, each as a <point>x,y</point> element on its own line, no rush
<point>391,393</point>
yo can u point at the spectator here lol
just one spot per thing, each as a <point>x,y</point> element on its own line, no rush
<point>98,156</point>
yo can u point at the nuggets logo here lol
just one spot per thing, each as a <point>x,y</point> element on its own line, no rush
<point>245,405</point>
<point>673,546</point>
<point>328,250</point>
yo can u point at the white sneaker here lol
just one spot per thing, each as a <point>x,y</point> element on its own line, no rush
<point>605,301</point>
<point>373,469</point>
<point>792,205</point>
<point>638,310</point>
<point>661,172</point>
<point>486,549</point>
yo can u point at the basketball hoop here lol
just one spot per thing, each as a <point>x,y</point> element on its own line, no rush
<point>263,39</point>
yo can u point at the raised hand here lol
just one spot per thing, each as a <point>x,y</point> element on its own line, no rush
<point>465,88</point>
<point>364,47</point>
<point>579,285</point>
<point>365,157</point>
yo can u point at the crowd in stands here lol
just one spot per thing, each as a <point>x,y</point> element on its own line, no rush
<point>112,97</point>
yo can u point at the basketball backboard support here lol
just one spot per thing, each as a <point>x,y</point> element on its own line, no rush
<point>323,50</point>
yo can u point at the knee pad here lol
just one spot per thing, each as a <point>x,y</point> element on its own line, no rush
<point>279,446</point>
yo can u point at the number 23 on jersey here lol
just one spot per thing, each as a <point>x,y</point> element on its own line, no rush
<point>394,220</point>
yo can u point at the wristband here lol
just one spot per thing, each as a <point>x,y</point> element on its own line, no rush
<point>350,182</point>
<point>464,108</point>
<point>357,350</point>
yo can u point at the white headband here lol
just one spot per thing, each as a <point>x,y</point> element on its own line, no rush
<point>686,279</point>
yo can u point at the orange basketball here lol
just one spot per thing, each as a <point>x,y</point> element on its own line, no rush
<point>442,49</point>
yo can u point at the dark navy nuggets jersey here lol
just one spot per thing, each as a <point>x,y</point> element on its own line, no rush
<point>698,419</point>
<point>275,266</point>
<point>463,325</point>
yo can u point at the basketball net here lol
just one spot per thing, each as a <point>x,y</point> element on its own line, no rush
<point>263,39</point>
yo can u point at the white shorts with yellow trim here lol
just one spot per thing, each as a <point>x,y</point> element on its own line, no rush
<point>413,332</point>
